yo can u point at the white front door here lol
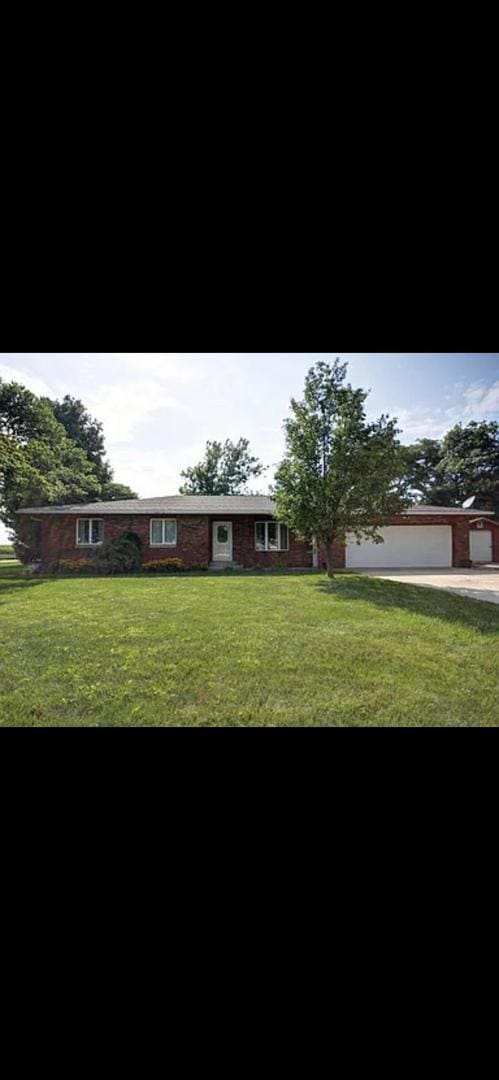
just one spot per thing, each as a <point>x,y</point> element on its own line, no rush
<point>481,545</point>
<point>222,541</point>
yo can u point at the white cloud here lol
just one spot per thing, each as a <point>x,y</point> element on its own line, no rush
<point>479,402</point>
<point>177,367</point>
<point>422,423</point>
<point>483,400</point>
<point>27,379</point>
<point>122,407</point>
<point>140,385</point>
<point>133,386</point>
<point>153,473</point>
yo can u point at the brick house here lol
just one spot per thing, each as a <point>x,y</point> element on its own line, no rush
<point>241,530</point>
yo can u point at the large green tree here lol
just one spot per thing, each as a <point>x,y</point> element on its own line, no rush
<point>470,463</point>
<point>420,462</point>
<point>340,473</point>
<point>88,434</point>
<point>50,453</point>
<point>83,429</point>
<point>447,471</point>
<point>224,470</point>
<point>39,463</point>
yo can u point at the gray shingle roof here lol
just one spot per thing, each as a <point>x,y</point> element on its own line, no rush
<point>209,504</point>
<point>421,509</point>
<point>169,504</point>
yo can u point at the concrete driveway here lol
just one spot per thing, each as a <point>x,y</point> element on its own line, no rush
<point>477,584</point>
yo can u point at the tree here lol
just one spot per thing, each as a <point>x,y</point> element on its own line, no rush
<point>465,462</point>
<point>83,430</point>
<point>38,462</point>
<point>51,452</point>
<point>421,462</point>
<point>224,470</point>
<point>340,473</point>
<point>111,492</point>
<point>88,434</point>
<point>470,463</point>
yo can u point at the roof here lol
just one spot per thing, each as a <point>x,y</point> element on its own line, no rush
<point>168,504</point>
<point>211,504</point>
<point>449,510</point>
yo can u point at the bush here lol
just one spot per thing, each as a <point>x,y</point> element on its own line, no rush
<point>170,566</point>
<point>163,566</point>
<point>73,566</point>
<point>120,556</point>
<point>27,542</point>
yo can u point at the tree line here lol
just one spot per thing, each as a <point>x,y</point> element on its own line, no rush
<point>340,474</point>
<point>328,437</point>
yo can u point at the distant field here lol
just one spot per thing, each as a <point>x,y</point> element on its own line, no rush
<point>245,650</point>
<point>6,551</point>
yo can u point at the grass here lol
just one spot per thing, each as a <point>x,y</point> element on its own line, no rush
<point>286,649</point>
<point>6,552</point>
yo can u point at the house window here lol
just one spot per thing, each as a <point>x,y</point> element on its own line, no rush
<point>271,536</point>
<point>89,532</point>
<point>163,532</point>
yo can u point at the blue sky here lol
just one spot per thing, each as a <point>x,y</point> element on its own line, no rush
<point>158,409</point>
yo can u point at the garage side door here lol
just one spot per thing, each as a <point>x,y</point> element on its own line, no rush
<point>481,545</point>
<point>404,545</point>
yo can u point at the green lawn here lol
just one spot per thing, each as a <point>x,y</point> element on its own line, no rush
<point>286,649</point>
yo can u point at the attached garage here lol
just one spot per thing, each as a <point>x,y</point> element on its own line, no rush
<point>403,546</point>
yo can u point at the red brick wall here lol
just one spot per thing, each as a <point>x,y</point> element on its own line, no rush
<point>194,540</point>
<point>460,542</point>
<point>193,537</point>
<point>243,532</point>
<point>460,537</point>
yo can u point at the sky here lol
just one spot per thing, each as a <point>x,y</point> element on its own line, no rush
<point>159,409</point>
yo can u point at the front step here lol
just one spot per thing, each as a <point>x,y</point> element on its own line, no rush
<point>225,565</point>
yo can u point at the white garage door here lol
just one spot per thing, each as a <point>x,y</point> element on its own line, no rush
<point>404,545</point>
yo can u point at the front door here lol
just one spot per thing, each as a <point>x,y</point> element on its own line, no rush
<point>222,541</point>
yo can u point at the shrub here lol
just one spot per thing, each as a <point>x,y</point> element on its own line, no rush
<point>74,566</point>
<point>120,556</point>
<point>27,542</point>
<point>168,566</point>
<point>162,566</point>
